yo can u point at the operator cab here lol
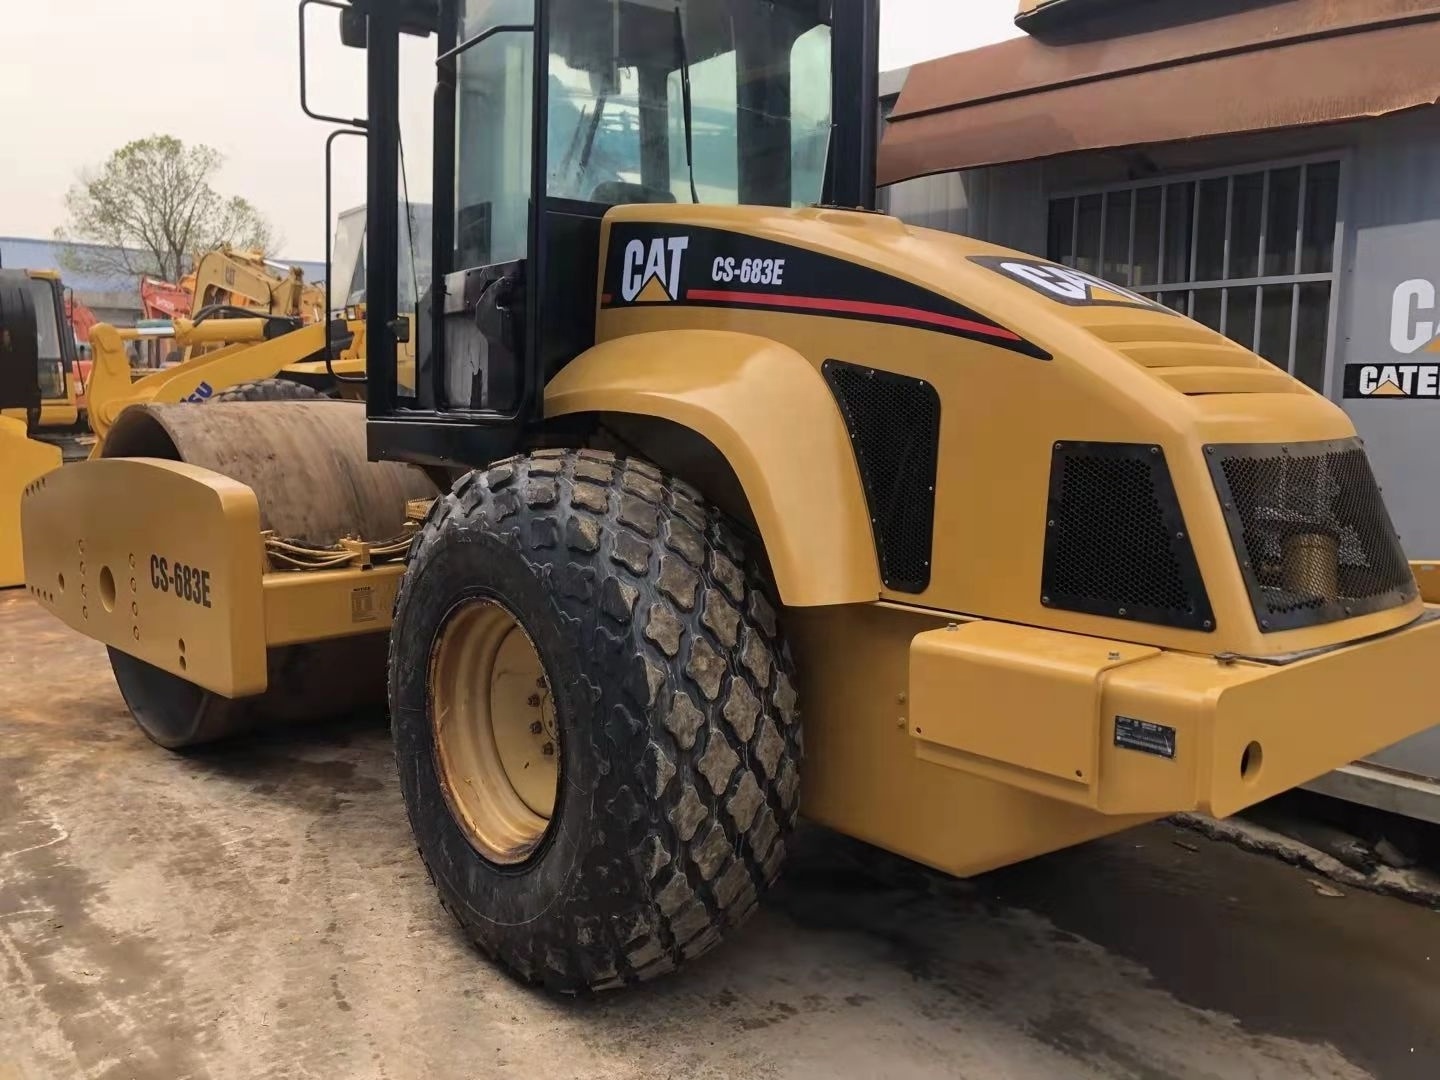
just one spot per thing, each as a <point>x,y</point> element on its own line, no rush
<point>57,343</point>
<point>36,378</point>
<point>713,102</point>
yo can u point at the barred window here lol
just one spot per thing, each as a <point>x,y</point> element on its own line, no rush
<point>1250,253</point>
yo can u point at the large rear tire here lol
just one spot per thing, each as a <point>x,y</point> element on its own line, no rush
<point>661,681</point>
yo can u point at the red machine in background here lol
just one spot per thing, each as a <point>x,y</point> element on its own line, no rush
<point>80,319</point>
<point>163,299</point>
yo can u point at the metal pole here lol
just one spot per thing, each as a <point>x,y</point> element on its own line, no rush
<point>382,234</point>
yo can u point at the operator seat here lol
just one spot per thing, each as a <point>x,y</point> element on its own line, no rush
<point>621,193</point>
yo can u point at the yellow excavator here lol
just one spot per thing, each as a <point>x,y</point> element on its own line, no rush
<point>229,277</point>
<point>703,462</point>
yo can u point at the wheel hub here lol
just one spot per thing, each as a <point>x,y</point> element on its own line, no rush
<point>497,744</point>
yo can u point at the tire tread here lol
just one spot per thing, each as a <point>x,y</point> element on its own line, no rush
<point>641,564</point>
<point>275,389</point>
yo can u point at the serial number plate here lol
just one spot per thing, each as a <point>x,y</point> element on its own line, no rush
<point>1142,735</point>
<point>189,583</point>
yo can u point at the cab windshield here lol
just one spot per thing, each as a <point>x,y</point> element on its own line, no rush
<point>750,81</point>
<point>47,323</point>
<point>721,102</point>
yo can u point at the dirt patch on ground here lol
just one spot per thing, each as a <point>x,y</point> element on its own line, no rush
<point>259,911</point>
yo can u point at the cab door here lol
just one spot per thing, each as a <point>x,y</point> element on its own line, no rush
<point>546,114</point>
<point>489,81</point>
<point>465,276</point>
<point>56,358</point>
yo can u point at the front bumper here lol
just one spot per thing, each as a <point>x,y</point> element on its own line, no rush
<point>1131,729</point>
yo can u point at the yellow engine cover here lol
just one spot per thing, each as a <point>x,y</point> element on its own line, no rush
<point>1021,357</point>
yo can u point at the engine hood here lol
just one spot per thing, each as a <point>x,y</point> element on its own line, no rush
<point>866,265</point>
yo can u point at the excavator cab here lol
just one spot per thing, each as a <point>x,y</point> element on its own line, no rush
<point>556,111</point>
<point>56,359</point>
<point>24,362</point>
<point>20,358</point>
<point>52,368</point>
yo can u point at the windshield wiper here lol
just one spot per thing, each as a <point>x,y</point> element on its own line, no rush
<point>590,134</point>
<point>685,107</point>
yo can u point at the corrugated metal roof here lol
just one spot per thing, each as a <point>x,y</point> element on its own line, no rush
<point>1290,64</point>
<point>23,253</point>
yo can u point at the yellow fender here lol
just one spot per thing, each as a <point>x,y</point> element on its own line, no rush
<point>769,412</point>
<point>22,462</point>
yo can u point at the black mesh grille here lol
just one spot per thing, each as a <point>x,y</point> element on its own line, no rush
<point>1115,539</point>
<point>894,424</point>
<point>1314,539</point>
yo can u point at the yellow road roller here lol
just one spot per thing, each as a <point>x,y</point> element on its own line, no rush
<point>700,456</point>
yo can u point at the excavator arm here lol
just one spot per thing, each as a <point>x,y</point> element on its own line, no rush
<point>226,276</point>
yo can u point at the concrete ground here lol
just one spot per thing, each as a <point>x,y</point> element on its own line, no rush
<point>260,912</point>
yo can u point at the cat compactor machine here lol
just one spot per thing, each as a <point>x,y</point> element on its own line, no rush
<point>702,455</point>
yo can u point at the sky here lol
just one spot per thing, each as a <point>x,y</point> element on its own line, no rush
<point>80,78</point>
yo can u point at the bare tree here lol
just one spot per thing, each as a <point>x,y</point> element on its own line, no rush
<point>152,208</point>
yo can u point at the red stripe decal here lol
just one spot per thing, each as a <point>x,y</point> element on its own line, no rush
<point>851,307</point>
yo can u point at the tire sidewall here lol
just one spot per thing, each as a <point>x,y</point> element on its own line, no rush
<point>483,566</point>
<point>679,737</point>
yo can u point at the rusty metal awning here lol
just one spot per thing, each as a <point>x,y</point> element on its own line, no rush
<point>1293,64</point>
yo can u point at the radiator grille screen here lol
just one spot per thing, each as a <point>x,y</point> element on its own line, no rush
<point>894,425</point>
<point>1310,528</point>
<point>1115,539</point>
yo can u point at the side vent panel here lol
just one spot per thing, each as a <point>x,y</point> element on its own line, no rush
<point>894,425</point>
<point>1311,530</point>
<point>1115,540</point>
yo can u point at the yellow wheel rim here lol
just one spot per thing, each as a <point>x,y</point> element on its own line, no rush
<point>496,743</point>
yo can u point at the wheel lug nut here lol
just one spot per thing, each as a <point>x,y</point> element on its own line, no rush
<point>535,727</point>
<point>548,749</point>
<point>534,701</point>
